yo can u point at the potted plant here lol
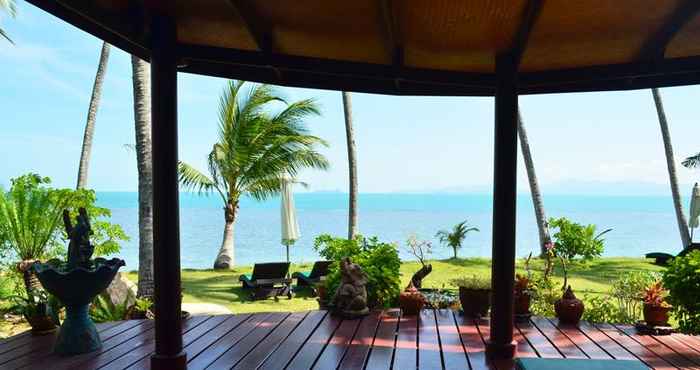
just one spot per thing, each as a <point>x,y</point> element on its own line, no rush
<point>38,311</point>
<point>655,306</point>
<point>141,309</point>
<point>411,301</point>
<point>522,295</point>
<point>474,295</point>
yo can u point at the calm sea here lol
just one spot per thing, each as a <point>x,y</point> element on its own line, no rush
<point>640,224</point>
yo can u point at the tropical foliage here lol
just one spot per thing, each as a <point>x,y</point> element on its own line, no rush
<point>682,279</point>
<point>574,240</point>
<point>456,236</point>
<point>380,261</point>
<point>9,7</point>
<point>255,150</point>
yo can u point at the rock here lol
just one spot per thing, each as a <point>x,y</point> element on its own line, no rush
<point>205,309</point>
<point>120,290</point>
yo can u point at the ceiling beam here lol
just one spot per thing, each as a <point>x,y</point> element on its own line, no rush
<point>654,48</point>
<point>533,8</point>
<point>258,29</point>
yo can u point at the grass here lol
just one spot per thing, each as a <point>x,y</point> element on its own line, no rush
<point>222,287</point>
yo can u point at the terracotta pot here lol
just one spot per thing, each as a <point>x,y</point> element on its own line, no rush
<point>475,302</point>
<point>411,301</point>
<point>521,303</point>
<point>569,309</point>
<point>41,324</point>
<point>655,315</point>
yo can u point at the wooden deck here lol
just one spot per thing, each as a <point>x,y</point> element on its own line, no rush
<point>315,340</point>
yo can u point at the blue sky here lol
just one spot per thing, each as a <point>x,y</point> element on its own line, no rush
<point>582,143</point>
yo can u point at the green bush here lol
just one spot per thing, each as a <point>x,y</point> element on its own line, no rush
<point>682,279</point>
<point>544,293</point>
<point>628,290</point>
<point>575,240</point>
<point>601,309</point>
<point>380,261</point>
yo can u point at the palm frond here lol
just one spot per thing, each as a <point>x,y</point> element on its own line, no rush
<point>692,161</point>
<point>193,180</point>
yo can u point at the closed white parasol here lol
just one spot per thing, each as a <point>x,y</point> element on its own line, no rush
<point>694,210</point>
<point>290,226</point>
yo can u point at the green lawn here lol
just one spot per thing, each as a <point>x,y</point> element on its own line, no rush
<point>222,287</point>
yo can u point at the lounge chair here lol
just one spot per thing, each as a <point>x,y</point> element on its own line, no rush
<point>268,280</point>
<point>309,279</point>
<point>662,259</point>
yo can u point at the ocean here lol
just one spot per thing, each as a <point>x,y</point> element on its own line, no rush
<point>640,224</point>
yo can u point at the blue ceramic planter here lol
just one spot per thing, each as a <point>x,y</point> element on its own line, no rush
<point>76,288</point>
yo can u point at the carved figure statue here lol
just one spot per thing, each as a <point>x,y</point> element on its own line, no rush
<point>350,300</point>
<point>79,248</point>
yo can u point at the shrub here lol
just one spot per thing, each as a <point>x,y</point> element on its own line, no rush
<point>682,279</point>
<point>601,309</point>
<point>380,261</point>
<point>628,290</point>
<point>575,240</point>
<point>544,293</point>
<point>472,282</point>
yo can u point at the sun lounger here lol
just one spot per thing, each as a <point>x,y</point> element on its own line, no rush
<point>306,279</point>
<point>662,259</point>
<point>268,280</point>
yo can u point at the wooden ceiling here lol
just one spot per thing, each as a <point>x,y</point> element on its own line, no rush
<point>416,47</point>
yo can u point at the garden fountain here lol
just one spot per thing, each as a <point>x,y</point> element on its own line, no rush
<point>76,283</point>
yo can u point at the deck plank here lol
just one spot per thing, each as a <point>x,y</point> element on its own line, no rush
<point>359,348</point>
<point>453,353</point>
<point>585,344</point>
<point>473,344</point>
<point>338,345</point>
<point>228,340</point>
<point>312,348</point>
<point>641,352</point>
<point>560,341</point>
<point>429,351</point>
<point>611,347</point>
<point>673,342</point>
<point>406,353</point>
<point>293,343</point>
<point>524,348</point>
<point>538,341</point>
<point>657,347</point>
<point>19,340</point>
<point>236,353</point>
<point>266,347</point>
<point>382,354</point>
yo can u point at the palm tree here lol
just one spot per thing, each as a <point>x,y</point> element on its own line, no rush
<point>9,7</point>
<point>142,121</point>
<point>454,238</point>
<point>692,161</point>
<point>92,114</point>
<point>254,152</point>
<point>671,165</point>
<point>534,187</point>
<point>352,166</point>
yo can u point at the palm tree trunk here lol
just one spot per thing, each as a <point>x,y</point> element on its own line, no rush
<point>537,203</point>
<point>92,114</point>
<point>352,166</point>
<point>671,165</point>
<point>142,121</point>
<point>226,258</point>
<point>454,250</point>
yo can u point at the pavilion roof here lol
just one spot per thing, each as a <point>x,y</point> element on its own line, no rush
<point>415,47</point>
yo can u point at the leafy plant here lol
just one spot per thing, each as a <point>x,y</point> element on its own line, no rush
<point>143,304</point>
<point>544,293</point>
<point>575,240</point>
<point>655,295</point>
<point>682,279</point>
<point>522,284</point>
<point>628,290</point>
<point>380,262</point>
<point>456,236</point>
<point>106,236</point>
<point>472,282</point>
<point>104,310</point>
<point>600,309</point>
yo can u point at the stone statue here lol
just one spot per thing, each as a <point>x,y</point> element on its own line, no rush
<point>79,248</point>
<point>350,300</point>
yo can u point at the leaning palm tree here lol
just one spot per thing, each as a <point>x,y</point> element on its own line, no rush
<point>352,166</point>
<point>86,152</point>
<point>9,7</point>
<point>455,238</point>
<point>534,187</point>
<point>142,122</point>
<point>254,152</point>
<point>692,162</point>
<point>671,165</point>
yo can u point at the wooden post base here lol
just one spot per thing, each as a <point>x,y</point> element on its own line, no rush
<point>501,351</point>
<point>176,362</point>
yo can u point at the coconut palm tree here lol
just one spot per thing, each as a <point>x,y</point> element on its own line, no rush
<point>254,152</point>
<point>534,187</point>
<point>92,114</point>
<point>671,165</point>
<point>455,238</point>
<point>692,161</point>
<point>352,166</point>
<point>9,7</point>
<point>142,121</point>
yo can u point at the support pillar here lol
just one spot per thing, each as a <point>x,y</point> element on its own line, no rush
<point>166,223</point>
<point>500,343</point>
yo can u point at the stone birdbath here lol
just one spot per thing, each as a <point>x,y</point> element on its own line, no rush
<point>76,283</point>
